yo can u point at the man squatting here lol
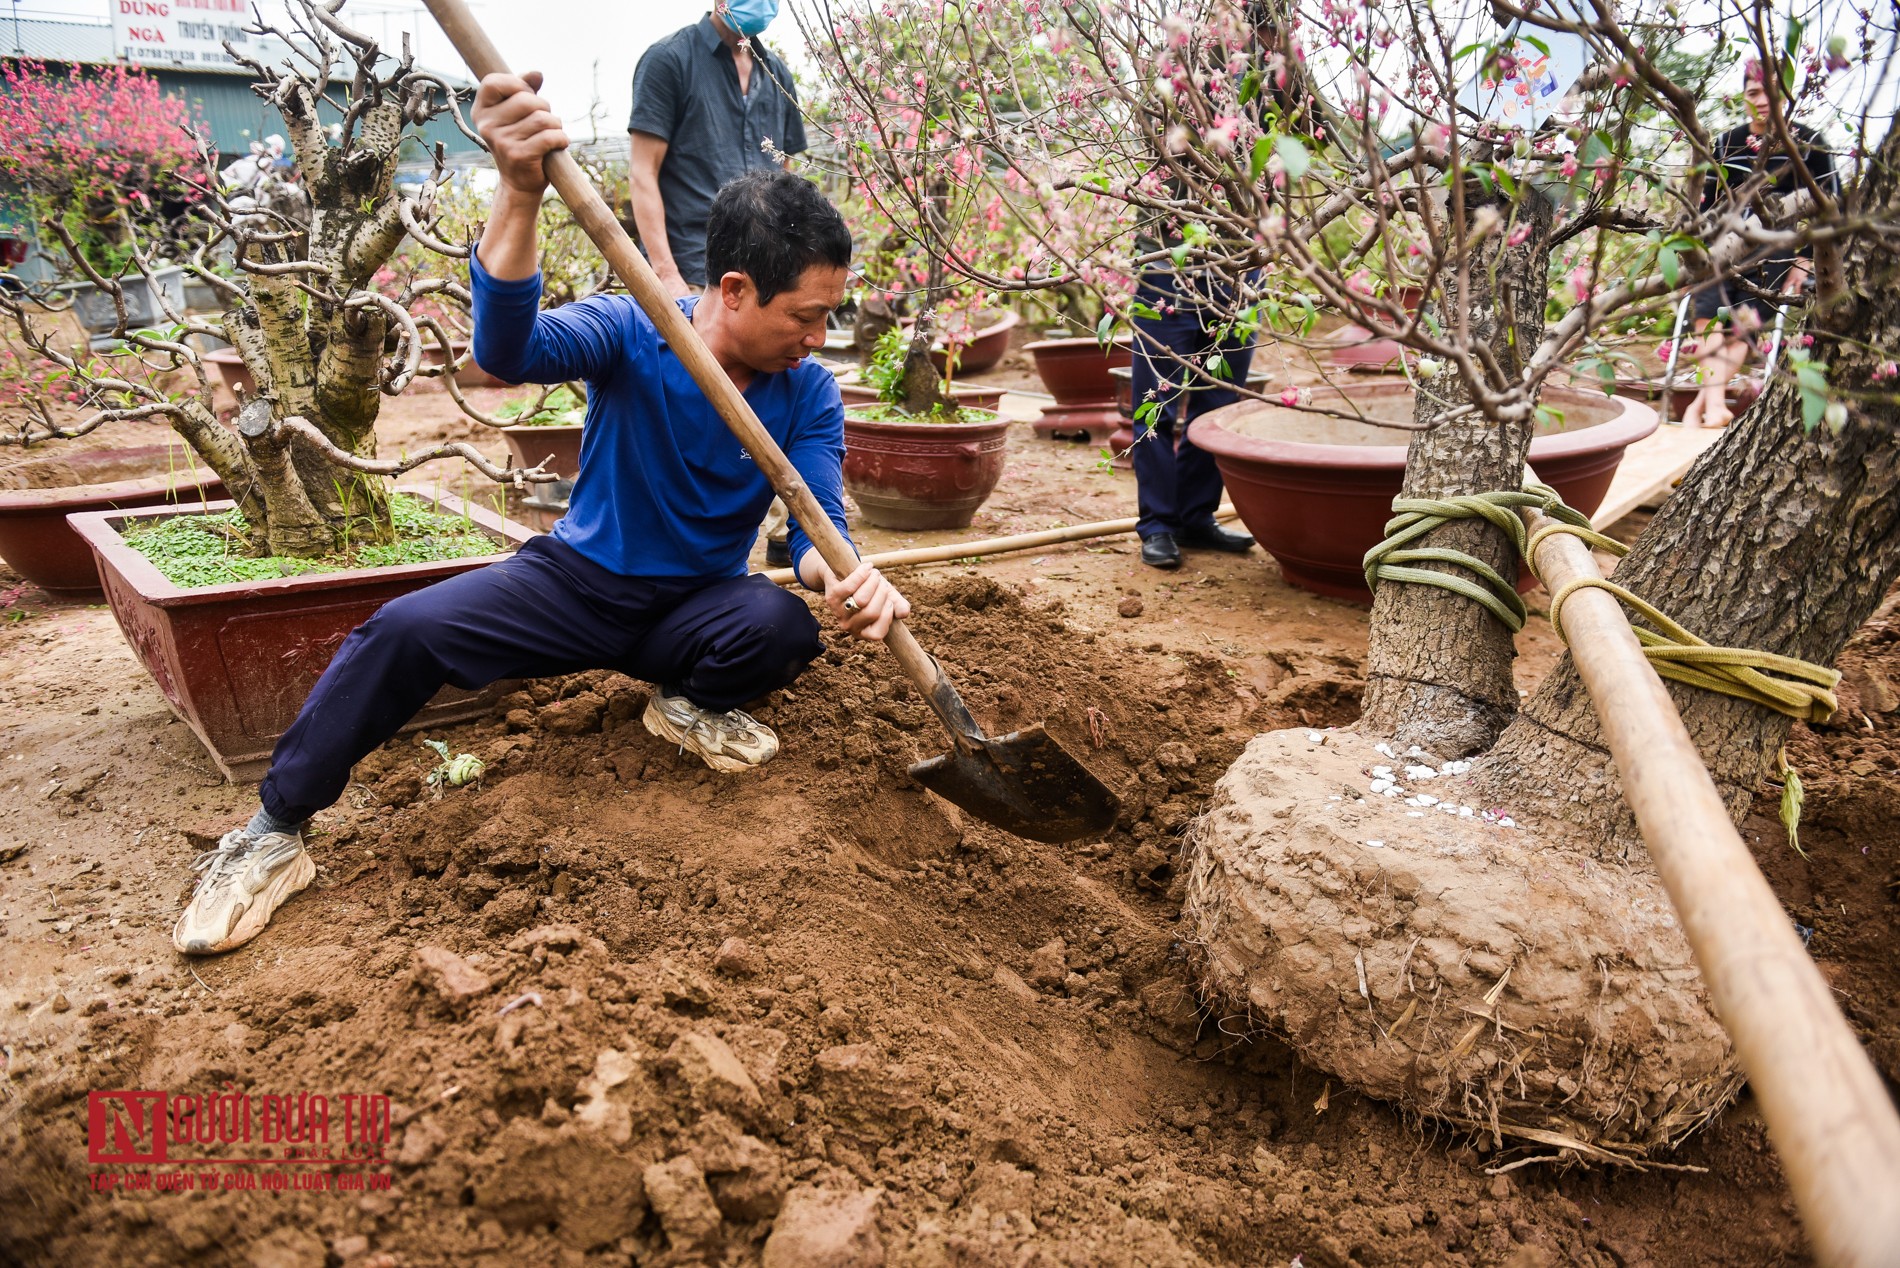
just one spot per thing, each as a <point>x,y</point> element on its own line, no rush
<point>646,573</point>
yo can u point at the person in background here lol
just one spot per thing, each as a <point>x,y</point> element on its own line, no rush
<point>1177,486</point>
<point>706,101</point>
<point>1728,312</point>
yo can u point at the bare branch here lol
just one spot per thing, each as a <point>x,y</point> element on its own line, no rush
<point>306,433</point>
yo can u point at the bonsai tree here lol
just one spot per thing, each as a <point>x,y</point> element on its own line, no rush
<point>299,298</point>
<point>1334,157</point>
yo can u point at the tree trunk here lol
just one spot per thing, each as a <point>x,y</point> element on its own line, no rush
<point>1780,539</point>
<point>1439,667</point>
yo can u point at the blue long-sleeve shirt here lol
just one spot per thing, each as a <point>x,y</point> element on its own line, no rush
<point>664,488</point>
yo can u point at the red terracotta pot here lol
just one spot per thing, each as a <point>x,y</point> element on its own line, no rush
<point>968,395</point>
<point>1318,491</point>
<point>922,475</point>
<point>983,348</point>
<point>1077,374</point>
<point>529,445</point>
<point>35,539</point>
<point>1355,349</point>
<point>236,661</point>
<point>232,372</point>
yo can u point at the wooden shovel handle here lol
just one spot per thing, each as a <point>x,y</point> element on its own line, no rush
<point>594,218</point>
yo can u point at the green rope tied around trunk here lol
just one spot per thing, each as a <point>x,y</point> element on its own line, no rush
<point>1798,688</point>
<point>1412,518</point>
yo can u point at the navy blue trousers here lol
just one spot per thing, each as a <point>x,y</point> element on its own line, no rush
<point>546,609</point>
<point>1177,485</point>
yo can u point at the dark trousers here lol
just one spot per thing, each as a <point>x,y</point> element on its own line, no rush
<point>545,610</point>
<point>1177,485</point>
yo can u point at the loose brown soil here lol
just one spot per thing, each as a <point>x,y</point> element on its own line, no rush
<point>625,1006</point>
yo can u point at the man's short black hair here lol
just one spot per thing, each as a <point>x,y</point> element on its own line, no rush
<point>772,226</point>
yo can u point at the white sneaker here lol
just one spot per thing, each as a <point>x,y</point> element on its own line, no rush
<point>246,879</point>
<point>728,741</point>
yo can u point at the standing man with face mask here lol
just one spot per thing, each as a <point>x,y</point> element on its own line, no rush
<point>706,99</point>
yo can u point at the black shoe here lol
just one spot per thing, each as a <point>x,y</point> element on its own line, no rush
<point>1212,536</point>
<point>1159,551</point>
<point>779,554</point>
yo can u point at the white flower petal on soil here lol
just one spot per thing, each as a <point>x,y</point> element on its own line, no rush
<point>1420,772</point>
<point>1507,822</point>
<point>1314,737</point>
<point>1380,785</point>
<point>1382,772</point>
<point>1426,799</point>
<point>1464,812</point>
<point>1377,845</point>
<point>1393,791</point>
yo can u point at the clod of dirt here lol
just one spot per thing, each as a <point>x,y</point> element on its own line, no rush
<point>736,958</point>
<point>449,975</point>
<point>567,1178</point>
<point>820,1228</point>
<point>709,1068</point>
<point>577,716</point>
<point>1130,607</point>
<point>1049,964</point>
<point>1176,756</point>
<point>745,1174</point>
<point>677,1192</point>
<point>610,1094</point>
<point>866,1096</point>
<point>1456,965</point>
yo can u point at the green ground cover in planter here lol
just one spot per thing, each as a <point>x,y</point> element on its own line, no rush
<point>206,550</point>
<point>884,413</point>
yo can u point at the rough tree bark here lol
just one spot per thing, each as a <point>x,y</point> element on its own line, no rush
<point>1780,539</point>
<point>1439,666</point>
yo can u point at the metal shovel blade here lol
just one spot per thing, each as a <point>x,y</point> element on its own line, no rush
<point>1024,783</point>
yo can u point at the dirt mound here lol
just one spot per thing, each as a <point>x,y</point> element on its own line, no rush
<point>1439,956</point>
<point>630,1011</point>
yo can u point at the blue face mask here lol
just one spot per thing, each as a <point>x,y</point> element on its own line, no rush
<point>749,17</point>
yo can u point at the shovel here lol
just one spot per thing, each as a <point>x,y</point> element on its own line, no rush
<point>1024,782</point>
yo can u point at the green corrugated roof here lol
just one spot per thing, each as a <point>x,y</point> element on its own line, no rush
<point>237,116</point>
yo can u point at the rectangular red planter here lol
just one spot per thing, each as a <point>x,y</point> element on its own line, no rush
<point>236,661</point>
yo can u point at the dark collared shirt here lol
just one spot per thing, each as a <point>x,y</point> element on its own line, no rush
<point>686,92</point>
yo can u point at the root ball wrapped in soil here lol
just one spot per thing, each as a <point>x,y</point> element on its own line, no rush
<point>1429,955</point>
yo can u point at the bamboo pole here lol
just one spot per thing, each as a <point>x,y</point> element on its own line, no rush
<point>996,545</point>
<point>1829,1115</point>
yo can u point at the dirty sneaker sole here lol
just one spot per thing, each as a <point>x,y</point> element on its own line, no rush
<point>290,879</point>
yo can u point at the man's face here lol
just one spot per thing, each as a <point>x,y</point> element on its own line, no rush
<point>1757,97</point>
<point>778,335</point>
